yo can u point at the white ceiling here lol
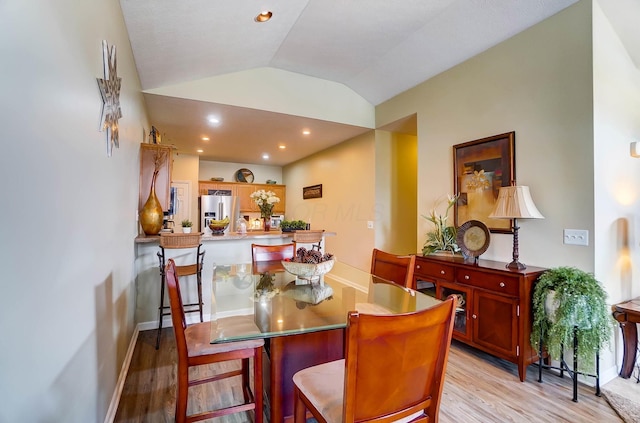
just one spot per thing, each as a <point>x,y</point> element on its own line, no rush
<point>377,48</point>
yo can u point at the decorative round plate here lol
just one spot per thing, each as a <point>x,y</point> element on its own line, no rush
<point>473,238</point>
<point>244,175</point>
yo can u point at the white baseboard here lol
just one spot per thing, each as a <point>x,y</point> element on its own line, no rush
<point>122,377</point>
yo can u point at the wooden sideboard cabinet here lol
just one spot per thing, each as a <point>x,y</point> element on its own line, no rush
<point>494,312</point>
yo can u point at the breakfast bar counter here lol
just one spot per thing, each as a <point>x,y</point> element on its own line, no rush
<point>232,248</point>
<point>253,235</point>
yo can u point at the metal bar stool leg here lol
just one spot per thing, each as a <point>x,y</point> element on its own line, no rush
<point>200,264</point>
<point>160,311</point>
<point>161,308</point>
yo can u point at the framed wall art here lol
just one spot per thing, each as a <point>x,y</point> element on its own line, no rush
<point>480,168</point>
<point>313,191</point>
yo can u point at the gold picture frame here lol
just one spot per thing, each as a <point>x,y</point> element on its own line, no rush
<point>480,168</point>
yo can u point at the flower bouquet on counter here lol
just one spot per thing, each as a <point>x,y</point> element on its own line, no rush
<point>265,201</point>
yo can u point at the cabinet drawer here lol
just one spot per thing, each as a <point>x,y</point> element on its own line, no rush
<point>434,270</point>
<point>496,283</point>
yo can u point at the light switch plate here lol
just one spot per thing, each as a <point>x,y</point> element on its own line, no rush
<point>369,224</point>
<point>576,236</point>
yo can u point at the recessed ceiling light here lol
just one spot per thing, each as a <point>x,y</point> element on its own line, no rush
<point>282,147</point>
<point>213,120</point>
<point>306,132</point>
<point>264,16</point>
<point>200,150</point>
<point>265,156</point>
<point>205,138</point>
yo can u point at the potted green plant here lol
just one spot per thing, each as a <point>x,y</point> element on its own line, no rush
<point>443,236</point>
<point>292,225</point>
<point>567,299</point>
<point>186,226</point>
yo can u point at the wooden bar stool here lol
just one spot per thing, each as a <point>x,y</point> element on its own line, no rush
<point>169,241</point>
<point>309,237</point>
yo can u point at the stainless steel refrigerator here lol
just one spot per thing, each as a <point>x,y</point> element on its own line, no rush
<point>216,206</point>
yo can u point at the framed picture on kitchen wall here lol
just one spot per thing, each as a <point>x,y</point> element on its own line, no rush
<point>480,168</point>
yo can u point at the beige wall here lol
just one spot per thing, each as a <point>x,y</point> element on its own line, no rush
<point>571,94</point>
<point>68,210</point>
<point>616,174</point>
<point>347,175</point>
<point>261,173</point>
<point>185,168</point>
<point>396,192</point>
<point>538,84</point>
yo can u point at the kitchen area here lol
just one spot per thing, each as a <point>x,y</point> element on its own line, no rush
<point>202,191</point>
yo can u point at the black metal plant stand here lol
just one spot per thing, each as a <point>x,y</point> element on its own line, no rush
<point>564,367</point>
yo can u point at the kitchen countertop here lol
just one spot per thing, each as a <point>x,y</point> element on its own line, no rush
<point>144,239</point>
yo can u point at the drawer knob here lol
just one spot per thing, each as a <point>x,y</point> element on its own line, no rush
<point>474,316</point>
<point>467,277</point>
<point>418,267</point>
<point>442,272</point>
<point>501,284</point>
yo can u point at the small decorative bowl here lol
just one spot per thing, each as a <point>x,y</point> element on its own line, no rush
<point>308,271</point>
<point>218,226</point>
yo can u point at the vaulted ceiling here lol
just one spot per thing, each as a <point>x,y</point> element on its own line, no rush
<point>376,48</point>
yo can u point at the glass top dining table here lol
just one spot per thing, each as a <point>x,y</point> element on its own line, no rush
<point>273,303</point>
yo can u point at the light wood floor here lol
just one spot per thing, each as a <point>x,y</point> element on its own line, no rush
<point>478,389</point>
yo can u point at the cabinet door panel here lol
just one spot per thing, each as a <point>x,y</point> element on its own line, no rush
<point>246,202</point>
<point>461,323</point>
<point>495,324</point>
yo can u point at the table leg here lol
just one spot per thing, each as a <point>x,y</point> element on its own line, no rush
<point>287,355</point>
<point>629,341</point>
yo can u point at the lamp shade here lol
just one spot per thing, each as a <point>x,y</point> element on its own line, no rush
<point>515,202</point>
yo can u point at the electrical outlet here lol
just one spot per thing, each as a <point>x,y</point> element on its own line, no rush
<point>576,236</point>
<point>369,224</point>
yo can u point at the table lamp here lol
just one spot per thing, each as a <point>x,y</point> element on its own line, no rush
<point>514,202</point>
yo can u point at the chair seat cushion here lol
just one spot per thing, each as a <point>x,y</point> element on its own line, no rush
<point>199,341</point>
<point>323,385</point>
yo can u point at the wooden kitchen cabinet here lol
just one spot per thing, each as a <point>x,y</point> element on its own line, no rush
<point>495,312</point>
<point>148,154</point>
<point>205,186</point>
<point>247,205</point>
<point>243,191</point>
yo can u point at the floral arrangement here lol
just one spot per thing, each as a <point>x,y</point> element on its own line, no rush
<point>443,237</point>
<point>478,181</point>
<point>265,201</point>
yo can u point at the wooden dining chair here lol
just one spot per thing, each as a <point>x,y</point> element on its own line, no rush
<point>393,370</point>
<point>195,349</point>
<point>272,252</point>
<point>398,269</point>
<point>309,237</point>
<point>267,257</point>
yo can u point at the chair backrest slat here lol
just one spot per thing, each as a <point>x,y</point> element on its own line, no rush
<point>272,252</point>
<point>177,311</point>
<point>398,269</point>
<point>395,364</point>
